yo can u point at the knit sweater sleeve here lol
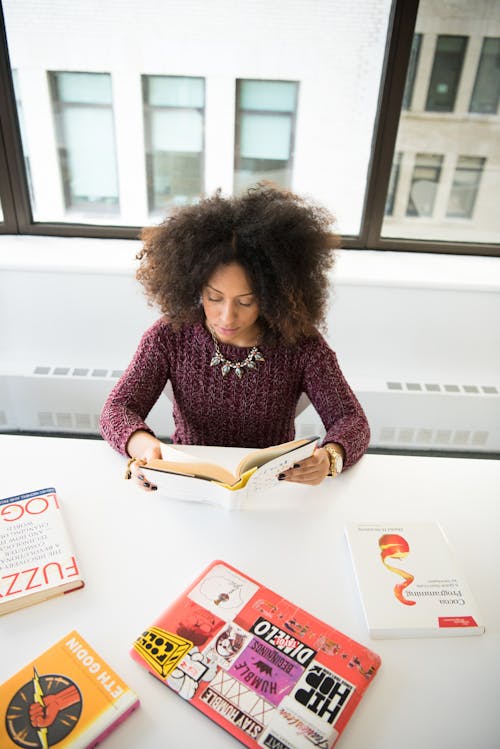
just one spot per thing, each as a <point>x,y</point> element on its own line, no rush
<point>136,392</point>
<point>342,414</point>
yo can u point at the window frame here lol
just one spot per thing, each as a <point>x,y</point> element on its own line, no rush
<point>14,194</point>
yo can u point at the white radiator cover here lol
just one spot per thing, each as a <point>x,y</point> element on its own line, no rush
<point>402,415</point>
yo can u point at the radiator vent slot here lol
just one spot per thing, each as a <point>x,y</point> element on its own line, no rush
<point>424,437</point>
<point>434,387</point>
<point>66,421</point>
<point>77,372</point>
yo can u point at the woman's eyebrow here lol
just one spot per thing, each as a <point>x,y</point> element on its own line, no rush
<point>246,293</point>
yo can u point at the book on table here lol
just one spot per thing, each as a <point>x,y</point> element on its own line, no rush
<point>410,581</point>
<point>264,669</point>
<point>37,559</point>
<point>181,474</point>
<point>66,697</point>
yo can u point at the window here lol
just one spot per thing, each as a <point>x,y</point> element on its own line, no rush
<point>412,71</point>
<point>424,184</point>
<point>393,185</point>
<point>445,76</point>
<point>465,186</point>
<point>103,143</point>
<point>265,132</point>
<point>85,141</point>
<point>487,86</point>
<point>174,127</point>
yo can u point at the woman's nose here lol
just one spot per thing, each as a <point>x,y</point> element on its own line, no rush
<point>228,312</point>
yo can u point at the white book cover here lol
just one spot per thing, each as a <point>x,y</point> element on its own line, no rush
<point>410,582</point>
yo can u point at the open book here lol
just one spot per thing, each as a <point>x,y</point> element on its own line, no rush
<point>183,475</point>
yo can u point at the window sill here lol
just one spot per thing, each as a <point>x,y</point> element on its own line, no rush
<point>352,268</point>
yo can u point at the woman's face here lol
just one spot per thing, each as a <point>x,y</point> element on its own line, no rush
<point>231,307</point>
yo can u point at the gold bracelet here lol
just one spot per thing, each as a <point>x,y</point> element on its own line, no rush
<point>128,472</point>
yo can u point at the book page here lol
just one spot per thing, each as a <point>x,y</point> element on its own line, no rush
<point>259,458</point>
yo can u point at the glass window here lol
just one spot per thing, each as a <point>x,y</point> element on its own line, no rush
<point>85,141</point>
<point>412,71</point>
<point>24,139</point>
<point>265,132</point>
<point>465,186</point>
<point>393,185</point>
<point>174,110</point>
<point>446,156</point>
<point>165,105</point>
<point>487,85</point>
<point>445,76</point>
<point>424,184</point>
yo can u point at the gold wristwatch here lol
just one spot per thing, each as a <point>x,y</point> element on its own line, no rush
<point>336,459</point>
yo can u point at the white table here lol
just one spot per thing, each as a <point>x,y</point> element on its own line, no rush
<point>138,551</point>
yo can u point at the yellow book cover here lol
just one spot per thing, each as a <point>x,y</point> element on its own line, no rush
<point>67,697</point>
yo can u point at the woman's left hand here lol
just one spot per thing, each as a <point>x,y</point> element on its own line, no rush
<point>311,470</point>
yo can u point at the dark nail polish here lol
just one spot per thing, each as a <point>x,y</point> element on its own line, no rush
<point>147,484</point>
<point>281,477</point>
<point>154,488</point>
<point>296,465</point>
<point>141,477</point>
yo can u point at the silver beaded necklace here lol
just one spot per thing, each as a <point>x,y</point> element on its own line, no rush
<point>250,362</point>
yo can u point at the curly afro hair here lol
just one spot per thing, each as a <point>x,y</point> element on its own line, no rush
<point>284,243</point>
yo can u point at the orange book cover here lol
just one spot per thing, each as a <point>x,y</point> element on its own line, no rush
<point>67,697</point>
<point>267,671</point>
<point>37,559</point>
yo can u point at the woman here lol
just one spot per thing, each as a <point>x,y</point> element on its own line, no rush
<point>243,286</point>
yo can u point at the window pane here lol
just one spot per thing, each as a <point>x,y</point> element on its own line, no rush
<point>86,141</point>
<point>174,126</point>
<point>445,75</point>
<point>487,87</point>
<point>272,96</point>
<point>465,186</point>
<point>265,132</point>
<point>445,179</point>
<point>313,68</point>
<point>412,71</point>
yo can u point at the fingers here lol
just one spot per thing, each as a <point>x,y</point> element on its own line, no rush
<point>311,471</point>
<point>139,476</point>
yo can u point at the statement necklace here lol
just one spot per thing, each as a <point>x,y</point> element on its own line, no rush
<point>250,362</point>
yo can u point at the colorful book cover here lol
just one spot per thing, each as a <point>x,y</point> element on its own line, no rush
<point>262,668</point>
<point>67,697</point>
<point>410,582</point>
<point>37,559</point>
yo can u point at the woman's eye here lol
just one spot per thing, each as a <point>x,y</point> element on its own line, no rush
<point>211,299</point>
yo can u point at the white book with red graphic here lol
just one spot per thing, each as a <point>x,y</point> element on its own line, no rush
<point>410,581</point>
<point>37,559</point>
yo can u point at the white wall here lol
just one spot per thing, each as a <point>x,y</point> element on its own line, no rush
<point>394,317</point>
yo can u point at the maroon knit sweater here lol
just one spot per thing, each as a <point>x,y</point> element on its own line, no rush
<point>209,409</point>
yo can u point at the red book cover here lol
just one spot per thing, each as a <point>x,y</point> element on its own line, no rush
<point>262,668</point>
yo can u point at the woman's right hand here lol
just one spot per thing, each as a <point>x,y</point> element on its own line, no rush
<point>143,447</point>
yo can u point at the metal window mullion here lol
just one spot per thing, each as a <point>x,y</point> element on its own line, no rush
<point>14,186</point>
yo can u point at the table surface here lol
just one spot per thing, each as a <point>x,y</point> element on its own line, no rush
<point>138,551</point>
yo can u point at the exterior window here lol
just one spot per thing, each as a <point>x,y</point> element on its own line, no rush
<point>465,186</point>
<point>445,76</point>
<point>24,140</point>
<point>424,184</point>
<point>265,132</point>
<point>487,86</point>
<point>393,184</point>
<point>174,111</point>
<point>412,71</point>
<point>85,139</point>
